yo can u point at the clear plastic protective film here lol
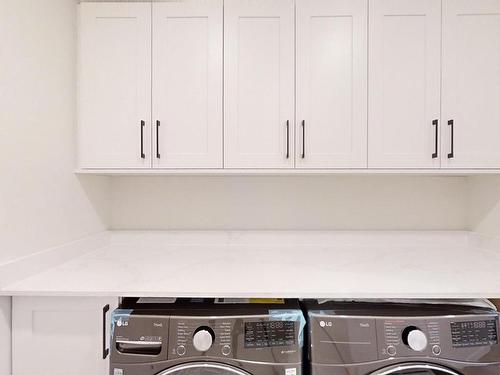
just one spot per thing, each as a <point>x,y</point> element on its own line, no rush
<point>119,318</point>
<point>291,316</point>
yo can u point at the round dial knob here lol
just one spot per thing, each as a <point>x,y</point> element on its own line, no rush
<point>203,339</point>
<point>416,339</point>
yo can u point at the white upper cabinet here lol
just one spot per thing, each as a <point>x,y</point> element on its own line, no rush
<point>114,129</point>
<point>283,84</point>
<point>331,83</point>
<point>404,83</point>
<point>187,84</point>
<point>259,83</point>
<point>471,84</point>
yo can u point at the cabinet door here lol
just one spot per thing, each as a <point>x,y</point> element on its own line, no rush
<point>259,83</point>
<point>331,83</point>
<point>404,84</point>
<point>60,336</point>
<point>5,336</point>
<point>187,84</point>
<point>471,84</point>
<point>114,109</point>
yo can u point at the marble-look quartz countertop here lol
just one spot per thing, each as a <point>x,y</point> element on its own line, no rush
<point>277,264</point>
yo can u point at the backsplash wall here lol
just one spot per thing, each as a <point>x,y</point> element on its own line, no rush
<point>484,204</point>
<point>289,202</point>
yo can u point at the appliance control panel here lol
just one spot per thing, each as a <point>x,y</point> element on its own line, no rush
<point>338,338</point>
<point>474,333</point>
<point>403,337</point>
<point>269,333</point>
<point>445,337</point>
<point>254,338</point>
<point>197,336</point>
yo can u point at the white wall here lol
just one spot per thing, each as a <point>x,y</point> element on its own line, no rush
<point>306,202</point>
<point>484,204</point>
<point>42,203</point>
<point>5,335</point>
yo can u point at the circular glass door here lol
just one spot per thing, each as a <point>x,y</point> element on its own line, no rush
<point>415,369</point>
<point>203,368</point>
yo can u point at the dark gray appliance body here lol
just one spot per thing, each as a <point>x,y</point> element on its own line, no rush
<point>248,339</point>
<point>372,339</point>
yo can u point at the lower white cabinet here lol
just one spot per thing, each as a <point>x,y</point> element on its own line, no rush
<point>60,336</point>
<point>5,335</point>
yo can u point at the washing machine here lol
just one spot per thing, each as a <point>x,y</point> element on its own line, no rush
<point>353,338</point>
<point>207,337</point>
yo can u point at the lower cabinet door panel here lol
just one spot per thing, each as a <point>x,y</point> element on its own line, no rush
<point>61,336</point>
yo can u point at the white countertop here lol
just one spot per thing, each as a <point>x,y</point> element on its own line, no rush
<point>277,264</point>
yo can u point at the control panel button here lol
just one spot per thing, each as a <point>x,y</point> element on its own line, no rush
<point>391,350</point>
<point>203,339</point>
<point>181,350</point>
<point>226,350</point>
<point>415,338</point>
<point>436,350</point>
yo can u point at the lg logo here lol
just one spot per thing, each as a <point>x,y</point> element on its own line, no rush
<point>123,323</point>
<point>323,324</point>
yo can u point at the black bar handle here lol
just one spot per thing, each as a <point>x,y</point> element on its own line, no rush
<point>105,350</point>
<point>143,124</point>
<point>287,139</point>
<point>157,139</point>
<point>303,139</point>
<point>451,123</point>
<point>435,123</point>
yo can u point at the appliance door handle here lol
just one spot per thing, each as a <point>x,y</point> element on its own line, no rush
<point>105,350</point>
<point>435,123</point>
<point>143,124</point>
<point>139,347</point>
<point>139,343</point>
<point>157,139</point>
<point>303,139</point>
<point>451,123</point>
<point>287,139</point>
